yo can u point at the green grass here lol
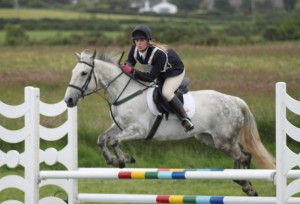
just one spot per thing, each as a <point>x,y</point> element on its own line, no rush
<point>40,13</point>
<point>63,14</point>
<point>249,72</point>
<point>56,14</point>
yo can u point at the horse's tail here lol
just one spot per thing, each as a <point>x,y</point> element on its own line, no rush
<point>251,142</point>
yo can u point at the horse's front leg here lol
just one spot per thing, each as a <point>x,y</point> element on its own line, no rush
<point>102,139</point>
<point>130,133</point>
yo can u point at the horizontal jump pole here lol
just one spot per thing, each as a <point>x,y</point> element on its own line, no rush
<point>196,175</point>
<point>292,174</point>
<point>114,173</point>
<point>137,198</point>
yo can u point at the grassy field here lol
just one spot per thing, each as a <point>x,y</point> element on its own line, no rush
<point>249,72</point>
<point>63,14</point>
<point>57,14</point>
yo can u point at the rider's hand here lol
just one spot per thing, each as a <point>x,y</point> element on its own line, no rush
<point>126,68</point>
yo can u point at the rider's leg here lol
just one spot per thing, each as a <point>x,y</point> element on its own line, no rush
<point>177,106</point>
<point>171,84</point>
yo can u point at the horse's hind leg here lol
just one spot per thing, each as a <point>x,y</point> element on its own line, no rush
<point>242,160</point>
<point>244,163</point>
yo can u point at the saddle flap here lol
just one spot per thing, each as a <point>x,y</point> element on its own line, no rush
<point>160,102</point>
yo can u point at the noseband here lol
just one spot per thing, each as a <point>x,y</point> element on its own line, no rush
<point>88,80</point>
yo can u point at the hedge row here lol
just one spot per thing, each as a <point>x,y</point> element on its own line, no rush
<point>194,32</point>
<point>59,24</point>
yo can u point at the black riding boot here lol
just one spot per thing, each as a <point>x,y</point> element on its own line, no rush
<point>177,107</point>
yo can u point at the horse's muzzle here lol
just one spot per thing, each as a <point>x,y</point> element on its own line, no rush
<point>70,102</point>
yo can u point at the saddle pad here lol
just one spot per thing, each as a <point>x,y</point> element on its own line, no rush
<point>189,104</point>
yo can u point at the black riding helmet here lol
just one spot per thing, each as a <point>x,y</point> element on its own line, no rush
<point>141,32</point>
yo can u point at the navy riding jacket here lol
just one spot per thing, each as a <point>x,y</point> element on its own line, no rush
<point>157,64</point>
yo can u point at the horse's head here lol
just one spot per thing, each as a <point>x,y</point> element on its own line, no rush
<point>83,81</point>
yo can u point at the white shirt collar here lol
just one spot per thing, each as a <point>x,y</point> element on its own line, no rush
<point>143,53</point>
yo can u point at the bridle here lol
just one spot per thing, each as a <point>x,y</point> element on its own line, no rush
<point>117,101</point>
<point>88,80</point>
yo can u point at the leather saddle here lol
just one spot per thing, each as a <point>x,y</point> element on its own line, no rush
<point>160,102</point>
<point>163,106</point>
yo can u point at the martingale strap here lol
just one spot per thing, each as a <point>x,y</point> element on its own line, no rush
<point>116,103</point>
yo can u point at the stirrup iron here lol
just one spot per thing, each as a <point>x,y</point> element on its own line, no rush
<point>187,124</point>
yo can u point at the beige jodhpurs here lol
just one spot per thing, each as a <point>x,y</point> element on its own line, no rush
<point>171,84</point>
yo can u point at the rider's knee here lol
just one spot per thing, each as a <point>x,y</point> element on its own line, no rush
<point>167,94</point>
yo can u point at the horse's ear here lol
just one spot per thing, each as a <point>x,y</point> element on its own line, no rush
<point>77,56</point>
<point>94,54</point>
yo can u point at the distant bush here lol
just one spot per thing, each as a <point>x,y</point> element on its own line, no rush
<point>289,28</point>
<point>237,29</point>
<point>58,39</point>
<point>184,34</point>
<point>89,38</point>
<point>37,4</point>
<point>60,24</point>
<point>95,38</point>
<point>271,33</point>
<point>7,4</point>
<point>16,35</point>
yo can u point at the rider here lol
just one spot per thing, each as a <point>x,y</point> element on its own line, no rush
<point>159,63</point>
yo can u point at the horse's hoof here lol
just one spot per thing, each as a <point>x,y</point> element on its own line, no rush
<point>132,160</point>
<point>114,162</point>
<point>252,193</point>
<point>121,165</point>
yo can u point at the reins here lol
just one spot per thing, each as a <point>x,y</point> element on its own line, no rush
<point>118,101</point>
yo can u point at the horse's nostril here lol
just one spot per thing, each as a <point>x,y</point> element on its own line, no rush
<point>70,101</point>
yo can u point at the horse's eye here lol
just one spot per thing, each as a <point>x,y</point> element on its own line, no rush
<point>83,73</point>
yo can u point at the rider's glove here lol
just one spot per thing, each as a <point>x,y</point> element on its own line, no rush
<point>126,68</point>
